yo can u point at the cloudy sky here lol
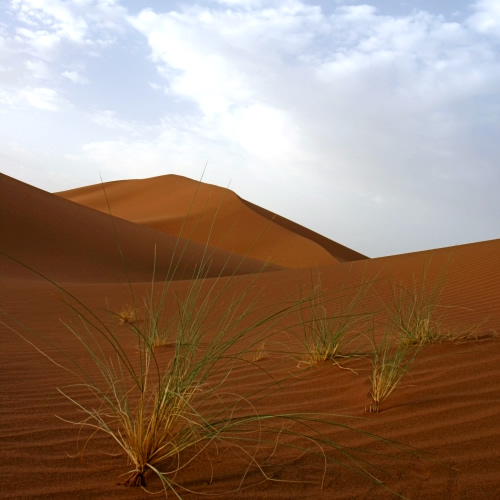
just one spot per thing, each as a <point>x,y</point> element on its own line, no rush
<point>377,124</point>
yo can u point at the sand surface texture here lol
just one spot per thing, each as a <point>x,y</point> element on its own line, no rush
<point>440,427</point>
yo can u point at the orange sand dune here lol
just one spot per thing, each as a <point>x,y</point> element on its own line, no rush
<point>70,242</point>
<point>446,411</point>
<point>214,215</point>
<point>470,277</point>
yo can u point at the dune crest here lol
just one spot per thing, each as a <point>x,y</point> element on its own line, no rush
<point>216,216</point>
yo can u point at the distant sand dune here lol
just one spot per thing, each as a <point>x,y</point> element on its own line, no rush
<point>70,242</point>
<point>214,215</point>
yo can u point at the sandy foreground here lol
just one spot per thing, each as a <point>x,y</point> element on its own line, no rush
<point>444,415</point>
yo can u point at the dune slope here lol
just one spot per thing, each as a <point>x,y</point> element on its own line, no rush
<point>69,242</point>
<point>207,213</point>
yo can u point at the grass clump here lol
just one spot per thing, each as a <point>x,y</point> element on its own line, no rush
<point>156,407</point>
<point>415,310</point>
<point>332,323</point>
<point>127,315</point>
<point>390,362</point>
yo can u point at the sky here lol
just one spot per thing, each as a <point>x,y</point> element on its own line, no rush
<point>376,124</point>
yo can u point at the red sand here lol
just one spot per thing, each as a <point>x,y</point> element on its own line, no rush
<point>447,408</point>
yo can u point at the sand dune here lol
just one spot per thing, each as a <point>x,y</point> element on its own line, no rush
<point>70,242</point>
<point>207,213</point>
<point>447,409</point>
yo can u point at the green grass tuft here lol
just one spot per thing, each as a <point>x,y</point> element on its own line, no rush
<point>332,323</point>
<point>390,363</point>
<point>415,311</point>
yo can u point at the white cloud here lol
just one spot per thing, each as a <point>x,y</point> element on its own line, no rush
<point>122,156</point>
<point>222,61</point>
<point>109,119</point>
<point>355,88</point>
<point>75,77</point>
<point>383,107</point>
<point>487,17</point>
<point>171,145</point>
<point>262,131</point>
<point>41,98</point>
<point>249,4</point>
<point>34,49</point>
<point>39,70</point>
<point>50,23</point>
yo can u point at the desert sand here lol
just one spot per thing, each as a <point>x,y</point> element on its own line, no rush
<point>441,424</point>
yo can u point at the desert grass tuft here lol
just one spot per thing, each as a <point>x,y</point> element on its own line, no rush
<point>390,363</point>
<point>127,315</point>
<point>332,323</point>
<point>415,310</point>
